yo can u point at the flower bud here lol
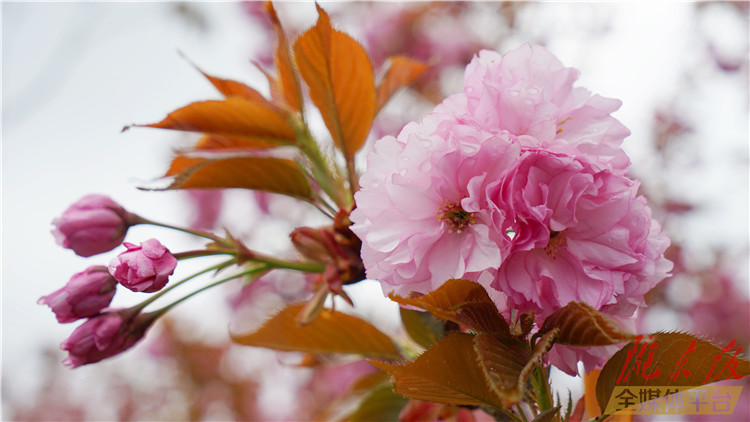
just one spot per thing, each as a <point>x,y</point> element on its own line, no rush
<point>92,225</point>
<point>105,335</point>
<point>85,295</point>
<point>144,268</point>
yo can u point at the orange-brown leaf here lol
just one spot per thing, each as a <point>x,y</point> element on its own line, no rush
<point>260,173</point>
<point>181,164</point>
<point>288,81</point>
<point>461,301</point>
<point>447,373</point>
<point>331,332</point>
<point>232,117</point>
<point>210,142</point>
<point>339,74</point>
<point>502,360</point>
<point>507,363</point>
<point>401,72</point>
<point>705,363</point>
<point>582,325</point>
<point>228,87</point>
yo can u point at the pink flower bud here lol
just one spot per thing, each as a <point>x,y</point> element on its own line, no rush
<point>92,225</point>
<point>144,268</point>
<point>85,295</point>
<point>104,336</point>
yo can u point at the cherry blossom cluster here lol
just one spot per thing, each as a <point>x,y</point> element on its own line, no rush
<point>518,183</point>
<point>93,225</point>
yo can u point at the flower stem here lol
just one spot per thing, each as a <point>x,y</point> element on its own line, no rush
<point>540,381</point>
<point>199,233</point>
<point>202,252</point>
<point>321,169</point>
<point>214,284</point>
<point>308,267</point>
<point>161,293</point>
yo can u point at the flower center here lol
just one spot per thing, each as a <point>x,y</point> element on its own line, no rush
<point>556,239</point>
<point>455,216</point>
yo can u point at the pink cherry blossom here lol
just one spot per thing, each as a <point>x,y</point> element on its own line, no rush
<point>92,225</point>
<point>85,295</point>
<point>578,234</point>
<point>520,184</point>
<point>530,94</point>
<point>421,212</point>
<point>105,335</point>
<point>144,268</point>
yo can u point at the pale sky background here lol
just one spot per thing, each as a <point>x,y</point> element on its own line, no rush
<point>73,74</point>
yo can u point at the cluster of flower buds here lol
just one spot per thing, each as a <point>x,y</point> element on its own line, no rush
<point>97,224</point>
<point>93,225</point>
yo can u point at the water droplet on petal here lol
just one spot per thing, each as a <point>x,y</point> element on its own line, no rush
<point>514,92</point>
<point>402,172</point>
<point>425,166</point>
<point>532,90</point>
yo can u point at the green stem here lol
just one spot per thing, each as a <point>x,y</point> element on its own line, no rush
<point>519,410</point>
<point>199,233</point>
<point>322,172</point>
<point>540,382</point>
<point>161,293</point>
<point>203,252</point>
<point>352,173</point>
<point>214,284</point>
<point>308,267</point>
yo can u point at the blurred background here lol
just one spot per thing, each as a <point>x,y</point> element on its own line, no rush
<point>74,74</point>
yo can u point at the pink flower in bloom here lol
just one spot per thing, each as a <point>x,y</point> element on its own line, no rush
<point>85,295</point>
<point>520,184</point>
<point>422,213</point>
<point>105,335</point>
<point>92,225</point>
<point>144,268</point>
<point>529,93</point>
<point>578,234</point>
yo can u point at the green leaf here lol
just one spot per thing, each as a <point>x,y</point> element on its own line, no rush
<point>382,404</point>
<point>668,359</point>
<point>330,332</point>
<point>259,173</point>
<point>422,327</point>
<point>582,325</point>
<point>447,373</point>
<point>461,301</point>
